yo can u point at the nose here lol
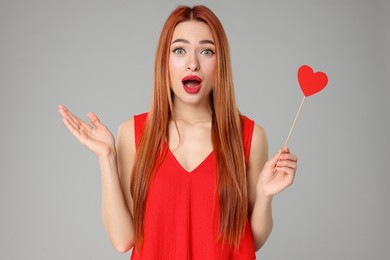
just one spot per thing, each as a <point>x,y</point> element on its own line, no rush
<point>193,63</point>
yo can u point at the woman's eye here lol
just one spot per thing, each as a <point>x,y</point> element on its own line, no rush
<point>179,51</point>
<point>207,52</point>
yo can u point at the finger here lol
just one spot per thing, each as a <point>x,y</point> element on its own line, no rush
<point>289,178</point>
<point>76,133</point>
<point>286,170</point>
<point>287,163</point>
<point>94,120</point>
<point>74,120</point>
<point>69,116</point>
<point>289,156</point>
<point>69,120</point>
<point>70,126</point>
<point>274,160</point>
<point>286,149</point>
<point>63,110</point>
<point>61,106</point>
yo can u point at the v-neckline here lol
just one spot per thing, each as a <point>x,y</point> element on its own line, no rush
<point>181,166</point>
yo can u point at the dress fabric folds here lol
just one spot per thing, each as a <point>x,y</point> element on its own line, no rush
<point>181,217</point>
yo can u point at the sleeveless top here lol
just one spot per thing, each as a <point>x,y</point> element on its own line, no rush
<point>181,215</point>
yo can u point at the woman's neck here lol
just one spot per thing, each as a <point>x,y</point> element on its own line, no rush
<point>192,113</point>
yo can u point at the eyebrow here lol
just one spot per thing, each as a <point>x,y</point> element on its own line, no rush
<point>187,41</point>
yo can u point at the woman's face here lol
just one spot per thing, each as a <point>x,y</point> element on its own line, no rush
<point>192,63</point>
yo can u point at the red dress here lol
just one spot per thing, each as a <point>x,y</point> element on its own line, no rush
<point>181,217</point>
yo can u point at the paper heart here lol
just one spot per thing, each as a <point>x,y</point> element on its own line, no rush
<point>311,82</point>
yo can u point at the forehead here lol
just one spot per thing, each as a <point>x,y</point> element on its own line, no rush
<point>192,30</point>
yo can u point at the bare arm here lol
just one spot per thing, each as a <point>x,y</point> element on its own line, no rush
<point>125,159</point>
<point>264,182</point>
<point>259,208</point>
<point>116,215</point>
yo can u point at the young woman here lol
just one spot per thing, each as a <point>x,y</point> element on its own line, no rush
<point>189,179</point>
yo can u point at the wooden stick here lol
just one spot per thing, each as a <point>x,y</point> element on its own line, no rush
<point>292,127</point>
<point>295,120</point>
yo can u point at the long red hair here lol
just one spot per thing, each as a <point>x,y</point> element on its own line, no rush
<point>226,132</point>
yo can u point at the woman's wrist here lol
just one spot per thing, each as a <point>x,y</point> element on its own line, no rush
<point>108,157</point>
<point>262,196</point>
<point>108,164</point>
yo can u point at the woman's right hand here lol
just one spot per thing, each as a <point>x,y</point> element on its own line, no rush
<point>95,137</point>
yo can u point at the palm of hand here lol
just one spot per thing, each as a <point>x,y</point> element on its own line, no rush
<point>278,173</point>
<point>96,138</point>
<point>274,182</point>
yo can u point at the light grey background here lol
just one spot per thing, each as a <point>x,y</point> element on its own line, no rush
<point>98,56</point>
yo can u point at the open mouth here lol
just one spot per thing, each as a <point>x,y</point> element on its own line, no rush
<point>192,84</point>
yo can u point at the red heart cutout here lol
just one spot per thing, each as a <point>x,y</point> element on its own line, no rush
<point>311,82</point>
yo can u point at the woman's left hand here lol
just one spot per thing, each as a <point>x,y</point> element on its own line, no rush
<point>277,174</point>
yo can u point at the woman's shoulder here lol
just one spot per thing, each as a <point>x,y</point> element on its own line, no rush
<point>259,143</point>
<point>126,133</point>
<point>131,129</point>
<point>248,122</point>
<point>128,124</point>
<point>259,135</point>
<point>254,138</point>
